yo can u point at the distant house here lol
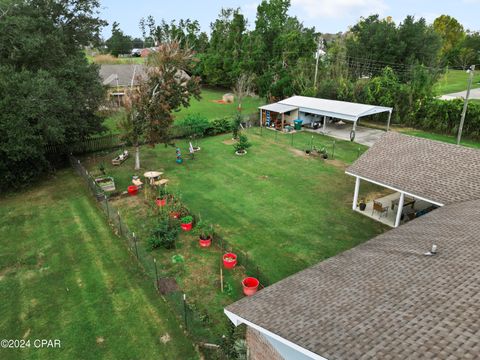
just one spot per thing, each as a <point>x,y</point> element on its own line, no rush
<point>390,297</point>
<point>120,77</point>
<point>147,51</point>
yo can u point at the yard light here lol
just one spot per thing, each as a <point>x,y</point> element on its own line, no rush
<point>470,71</point>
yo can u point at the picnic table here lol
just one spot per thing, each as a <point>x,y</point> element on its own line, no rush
<point>153,176</point>
<point>407,201</point>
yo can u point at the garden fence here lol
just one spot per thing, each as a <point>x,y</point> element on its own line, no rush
<point>194,321</point>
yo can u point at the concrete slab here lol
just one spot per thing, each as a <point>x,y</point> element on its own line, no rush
<point>474,94</point>
<point>365,136</point>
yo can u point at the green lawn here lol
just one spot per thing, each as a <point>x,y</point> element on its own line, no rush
<point>455,81</point>
<point>444,138</point>
<point>205,106</point>
<point>288,211</point>
<point>64,275</point>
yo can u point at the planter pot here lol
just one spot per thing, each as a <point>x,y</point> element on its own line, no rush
<point>186,227</point>
<point>250,286</point>
<point>179,161</point>
<point>205,242</point>
<point>161,202</point>
<point>229,260</point>
<point>362,206</point>
<point>174,214</point>
<point>241,153</point>
<point>132,190</point>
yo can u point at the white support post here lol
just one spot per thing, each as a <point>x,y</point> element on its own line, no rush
<point>355,194</point>
<point>355,125</point>
<point>324,124</point>
<point>400,209</point>
<point>389,118</point>
<point>261,124</point>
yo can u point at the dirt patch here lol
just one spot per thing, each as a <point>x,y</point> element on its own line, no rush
<point>297,152</point>
<point>219,102</point>
<point>167,285</point>
<point>229,142</point>
<point>263,177</point>
<point>337,163</point>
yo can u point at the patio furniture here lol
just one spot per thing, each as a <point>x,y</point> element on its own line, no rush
<point>120,158</point>
<point>406,202</point>
<point>160,182</point>
<point>380,208</point>
<point>137,182</point>
<point>153,176</point>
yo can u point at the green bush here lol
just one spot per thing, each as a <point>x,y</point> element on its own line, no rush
<point>194,125</point>
<point>236,121</point>
<point>186,219</point>
<point>219,126</point>
<point>242,144</point>
<point>164,234</point>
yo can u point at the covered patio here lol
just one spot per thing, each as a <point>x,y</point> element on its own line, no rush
<point>315,112</point>
<point>422,175</point>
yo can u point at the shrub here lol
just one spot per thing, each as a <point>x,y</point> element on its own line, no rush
<point>203,230</point>
<point>186,219</point>
<point>219,126</point>
<point>237,120</point>
<point>164,234</point>
<point>242,144</point>
<point>194,125</point>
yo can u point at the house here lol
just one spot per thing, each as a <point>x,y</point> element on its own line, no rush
<point>120,77</point>
<point>312,111</point>
<point>390,297</point>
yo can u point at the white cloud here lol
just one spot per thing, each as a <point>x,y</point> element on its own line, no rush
<point>340,8</point>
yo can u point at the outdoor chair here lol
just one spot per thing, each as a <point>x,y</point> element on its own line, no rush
<point>380,208</point>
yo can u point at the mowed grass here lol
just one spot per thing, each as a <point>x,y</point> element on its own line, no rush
<point>64,275</point>
<point>205,106</point>
<point>287,210</point>
<point>444,138</point>
<point>455,81</point>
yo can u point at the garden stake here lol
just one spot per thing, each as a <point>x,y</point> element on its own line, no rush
<point>185,310</point>
<point>106,204</point>
<point>135,243</point>
<point>358,155</point>
<point>221,278</point>
<point>120,223</point>
<point>333,150</point>
<point>156,274</point>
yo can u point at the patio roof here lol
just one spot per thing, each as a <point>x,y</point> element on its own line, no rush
<point>333,108</point>
<point>434,171</point>
<point>383,298</point>
<point>278,108</point>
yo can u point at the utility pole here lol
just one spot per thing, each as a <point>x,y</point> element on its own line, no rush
<point>465,105</point>
<point>319,47</point>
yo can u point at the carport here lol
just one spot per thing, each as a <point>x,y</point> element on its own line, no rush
<point>277,115</point>
<point>309,109</point>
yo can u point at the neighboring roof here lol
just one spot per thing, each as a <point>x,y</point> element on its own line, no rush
<point>125,73</point>
<point>333,108</point>
<point>384,299</point>
<point>435,171</point>
<point>278,108</point>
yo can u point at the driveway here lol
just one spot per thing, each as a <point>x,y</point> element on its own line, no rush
<point>474,94</point>
<point>365,136</point>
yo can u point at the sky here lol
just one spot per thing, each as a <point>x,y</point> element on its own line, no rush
<point>328,16</point>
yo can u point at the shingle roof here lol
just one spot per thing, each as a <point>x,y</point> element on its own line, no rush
<point>384,299</point>
<point>437,171</point>
<point>124,72</point>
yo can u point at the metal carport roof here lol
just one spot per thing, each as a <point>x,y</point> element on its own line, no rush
<point>333,108</point>
<point>278,108</point>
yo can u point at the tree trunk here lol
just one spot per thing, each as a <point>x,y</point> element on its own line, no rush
<point>137,157</point>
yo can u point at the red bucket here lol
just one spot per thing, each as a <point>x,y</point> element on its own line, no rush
<point>186,227</point>
<point>229,260</point>
<point>133,190</point>
<point>250,286</point>
<point>205,242</point>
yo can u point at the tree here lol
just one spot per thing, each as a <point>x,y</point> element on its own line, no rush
<point>452,34</point>
<point>118,43</point>
<point>242,88</point>
<point>131,124</point>
<point>137,43</point>
<point>166,89</point>
<point>49,92</point>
